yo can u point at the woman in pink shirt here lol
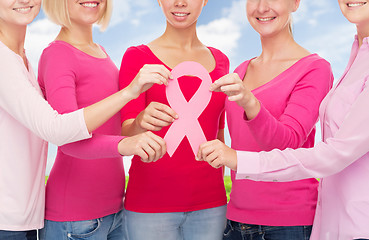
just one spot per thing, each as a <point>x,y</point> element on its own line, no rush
<point>341,160</point>
<point>85,189</point>
<point>27,120</point>
<point>273,103</point>
<point>174,197</point>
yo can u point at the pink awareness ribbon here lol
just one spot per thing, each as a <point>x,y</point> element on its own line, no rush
<point>187,123</point>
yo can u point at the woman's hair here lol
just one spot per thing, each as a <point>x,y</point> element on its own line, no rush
<point>57,11</point>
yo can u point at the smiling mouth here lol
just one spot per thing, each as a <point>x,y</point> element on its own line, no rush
<point>265,19</point>
<point>180,14</point>
<point>90,4</point>
<point>356,4</point>
<point>23,9</point>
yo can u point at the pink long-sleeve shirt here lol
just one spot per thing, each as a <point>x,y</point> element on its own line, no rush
<point>25,120</point>
<point>287,118</point>
<point>87,180</point>
<point>341,160</point>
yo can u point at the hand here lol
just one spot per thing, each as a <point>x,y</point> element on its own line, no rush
<point>233,86</point>
<point>217,154</point>
<point>155,117</point>
<point>148,75</point>
<point>147,145</point>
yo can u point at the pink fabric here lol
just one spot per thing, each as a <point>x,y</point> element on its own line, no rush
<point>342,159</point>
<point>25,120</point>
<point>289,112</point>
<point>178,183</point>
<point>80,189</point>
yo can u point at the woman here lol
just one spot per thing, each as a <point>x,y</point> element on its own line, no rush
<point>84,198</point>
<point>175,197</point>
<point>27,119</point>
<point>341,160</point>
<point>274,102</point>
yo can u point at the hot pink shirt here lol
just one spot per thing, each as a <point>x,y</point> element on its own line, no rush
<point>26,119</point>
<point>342,159</point>
<point>289,112</point>
<point>81,189</point>
<point>178,183</point>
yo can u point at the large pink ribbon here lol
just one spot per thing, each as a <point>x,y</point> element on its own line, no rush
<point>188,112</point>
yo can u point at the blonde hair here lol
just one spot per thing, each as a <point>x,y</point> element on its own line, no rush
<point>57,11</point>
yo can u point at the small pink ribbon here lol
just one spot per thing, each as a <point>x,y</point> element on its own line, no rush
<point>187,124</point>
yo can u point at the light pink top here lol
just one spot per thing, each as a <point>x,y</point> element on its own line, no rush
<point>80,189</point>
<point>289,111</point>
<point>25,120</point>
<point>342,159</point>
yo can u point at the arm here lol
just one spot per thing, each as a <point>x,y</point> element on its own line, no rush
<point>327,158</point>
<point>23,102</point>
<point>292,128</point>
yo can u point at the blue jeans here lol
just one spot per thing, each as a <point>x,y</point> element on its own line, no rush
<point>207,224</point>
<point>110,227</point>
<point>18,235</point>
<point>241,231</point>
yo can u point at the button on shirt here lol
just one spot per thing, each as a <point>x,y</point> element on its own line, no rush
<point>341,160</point>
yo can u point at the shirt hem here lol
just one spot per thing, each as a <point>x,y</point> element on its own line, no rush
<point>175,209</point>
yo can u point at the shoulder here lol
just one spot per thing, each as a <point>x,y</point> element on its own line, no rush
<point>219,55</point>
<point>137,51</point>
<point>58,51</point>
<point>220,58</point>
<point>314,61</point>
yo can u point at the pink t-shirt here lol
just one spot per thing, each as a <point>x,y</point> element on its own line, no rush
<point>87,179</point>
<point>178,183</point>
<point>289,112</point>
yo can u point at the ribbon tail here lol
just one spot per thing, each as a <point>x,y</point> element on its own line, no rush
<point>174,137</point>
<point>196,137</point>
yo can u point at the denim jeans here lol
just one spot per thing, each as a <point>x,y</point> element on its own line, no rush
<point>110,227</point>
<point>240,231</point>
<point>207,224</point>
<point>18,235</point>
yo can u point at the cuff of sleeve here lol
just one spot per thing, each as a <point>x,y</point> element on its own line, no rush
<point>84,130</point>
<point>248,165</point>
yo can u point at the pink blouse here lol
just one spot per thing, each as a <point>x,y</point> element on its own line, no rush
<point>341,160</point>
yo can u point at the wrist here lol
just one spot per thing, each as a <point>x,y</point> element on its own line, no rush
<point>252,108</point>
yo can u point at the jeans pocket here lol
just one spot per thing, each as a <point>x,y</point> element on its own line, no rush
<point>227,231</point>
<point>84,229</point>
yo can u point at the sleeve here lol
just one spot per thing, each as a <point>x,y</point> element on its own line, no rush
<point>24,103</point>
<point>59,78</point>
<point>293,127</point>
<point>131,64</point>
<point>327,158</point>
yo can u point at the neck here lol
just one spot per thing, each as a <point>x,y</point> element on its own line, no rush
<point>185,38</point>
<point>76,35</point>
<point>362,32</point>
<point>277,46</point>
<point>13,37</point>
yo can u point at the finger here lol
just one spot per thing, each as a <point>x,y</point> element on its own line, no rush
<point>161,142</point>
<point>142,154</point>
<point>163,71</point>
<point>156,147</point>
<point>216,163</point>
<point>226,80</point>
<point>211,157</point>
<point>149,151</point>
<point>201,152</point>
<point>235,98</point>
<point>231,88</point>
<point>166,110</point>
